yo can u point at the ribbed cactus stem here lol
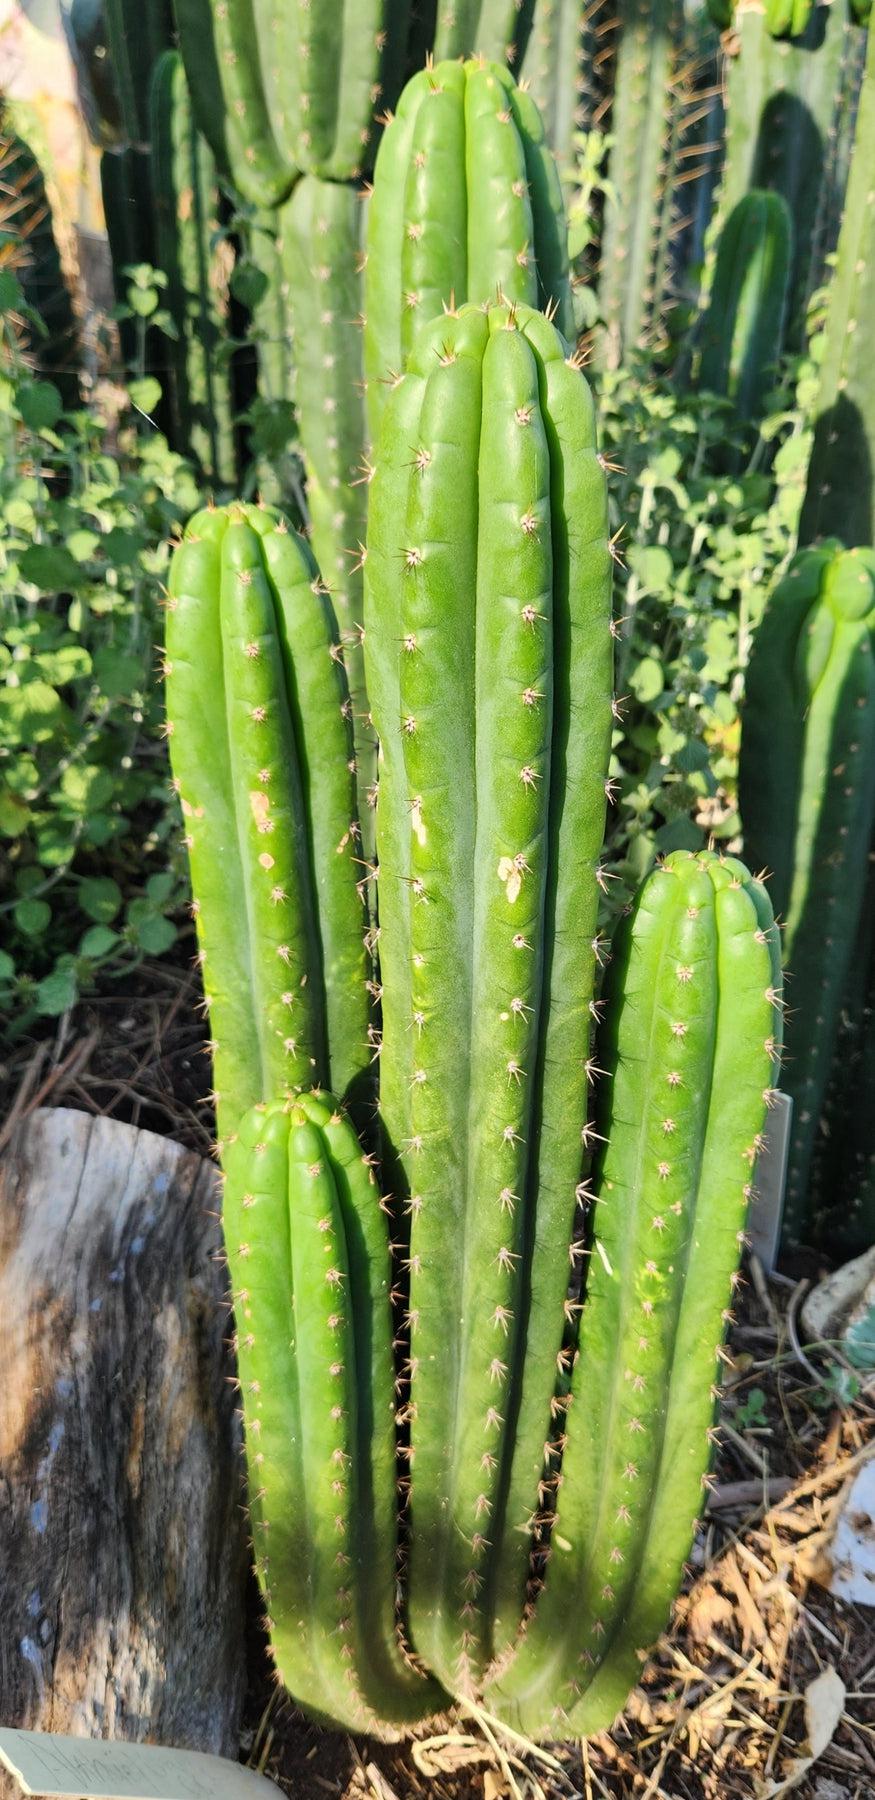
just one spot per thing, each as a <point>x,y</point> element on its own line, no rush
<point>220,47</point>
<point>841,477</point>
<point>258,720</point>
<point>487,609</point>
<point>743,329</point>
<point>318,235</point>
<point>466,206</point>
<point>689,1049</point>
<point>554,70</point>
<point>807,795</point>
<point>308,1250</point>
<point>495,29</point>
<point>186,207</point>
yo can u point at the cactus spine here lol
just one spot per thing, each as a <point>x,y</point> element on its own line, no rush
<point>186,204</point>
<point>689,1046</point>
<point>258,721</point>
<point>807,794</point>
<point>489,670</point>
<point>841,477</point>
<point>743,328</point>
<point>466,205</point>
<point>308,1248</point>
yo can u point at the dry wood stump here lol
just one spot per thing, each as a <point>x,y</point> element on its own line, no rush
<point>122,1556</point>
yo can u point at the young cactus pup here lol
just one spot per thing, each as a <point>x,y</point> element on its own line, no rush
<point>488,651</point>
<point>807,795</point>
<point>308,1249</point>
<point>466,205</point>
<point>689,1049</point>
<point>261,751</point>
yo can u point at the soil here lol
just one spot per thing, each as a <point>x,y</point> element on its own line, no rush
<point>720,1710</point>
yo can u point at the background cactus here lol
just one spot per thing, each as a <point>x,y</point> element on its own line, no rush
<point>489,671</point>
<point>186,209</point>
<point>841,475</point>
<point>495,29</point>
<point>557,70</point>
<point>842,1206</point>
<point>807,795</point>
<point>742,331</point>
<point>261,749</point>
<point>689,1044</point>
<point>466,205</point>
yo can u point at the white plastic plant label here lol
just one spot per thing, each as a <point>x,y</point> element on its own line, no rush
<point>48,1764</point>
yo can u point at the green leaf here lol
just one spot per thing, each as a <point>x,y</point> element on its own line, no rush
<point>118,674</point>
<point>679,834</point>
<point>142,301</point>
<point>97,941</point>
<point>646,680</point>
<point>39,404</point>
<point>155,934</point>
<point>15,814</point>
<point>32,916</point>
<point>100,898</point>
<point>11,292</point>
<point>145,394</point>
<point>160,887</point>
<point>57,992</point>
<point>51,567</point>
<point>87,786</point>
<point>7,967</point>
<point>248,283</point>
<point>653,567</point>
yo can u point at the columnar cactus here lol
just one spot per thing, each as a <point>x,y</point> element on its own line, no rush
<point>137,34</point>
<point>650,99</point>
<point>282,89</point>
<point>490,28</point>
<point>318,239</point>
<point>185,205</point>
<point>488,650</point>
<point>557,69</point>
<point>466,205</point>
<point>807,795</point>
<point>843,1171</point>
<point>743,329</point>
<point>261,750</point>
<point>841,478</point>
<point>689,1045</point>
<point>308,1248</point>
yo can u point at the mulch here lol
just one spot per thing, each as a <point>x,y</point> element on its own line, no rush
<point>720,1710</point>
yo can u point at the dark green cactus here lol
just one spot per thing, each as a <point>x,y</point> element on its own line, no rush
<point>308,1247</point>
<point>488,650</point>
<point>841,476</point>
<point>743,329</point>
<point>28,217</point>
<point>281,89</point>
<point>843,1170</point>
<point>318,238</point>
<point>689,1045</point>
<point>466,205</point>
<point>185,202</point>
<point>651,99</point>
<point>784,101</point>
<point>261,749</point>
<point>137,34</point>
<point>807,796</point>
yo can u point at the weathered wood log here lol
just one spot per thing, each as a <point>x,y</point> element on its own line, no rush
<point>122,1539</point>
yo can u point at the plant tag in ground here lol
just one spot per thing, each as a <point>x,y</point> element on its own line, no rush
<point>66,1768</point>
<point>764,1219</point>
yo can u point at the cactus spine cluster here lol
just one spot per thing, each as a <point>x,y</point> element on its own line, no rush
<point>743,329</point>
<point>807,795</point>
<point>258,717</point>
<point>466,205</point>
<point>186,206</point>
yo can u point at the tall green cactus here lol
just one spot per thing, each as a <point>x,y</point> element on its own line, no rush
<point>807,795</point>
<point>137,34</point>
<point>488,647</point>
<point>261,747</point>
<point>282,89</point>
<point>308,1247</point>
<point>841,477</point>
<point>743,329</point>
<point>843,1170</point>
<point>557,70</point>
<point>185,203</point>
<point>647,124</point>
<point>490,28</point>
<point>466,205</point>
<point>784,97</point>
<point>318,239</point>
<point>689,1045</point>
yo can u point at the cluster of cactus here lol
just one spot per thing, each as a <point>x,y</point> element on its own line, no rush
<point>515,1284</point>
<point>807,795</point>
